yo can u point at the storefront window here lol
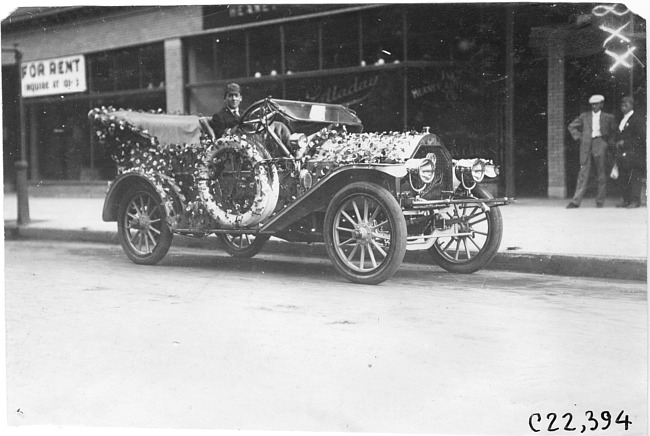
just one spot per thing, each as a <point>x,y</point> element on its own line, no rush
<point>430,37</point>
<point>230,55</point>
<point>341,41</point>
<point>265,52</point>
<point>383,36</point>
<point>301,46</point>
<point>152,66</point>
<point>132,68</point>
<point>127,70</point>
<point>101,71</point>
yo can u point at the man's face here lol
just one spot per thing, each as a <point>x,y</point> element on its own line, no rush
<point>233,99</point>
<point>626,106</point>
<point>595,107</point>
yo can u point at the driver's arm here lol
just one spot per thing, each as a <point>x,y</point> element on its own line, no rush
<point>206,127</point>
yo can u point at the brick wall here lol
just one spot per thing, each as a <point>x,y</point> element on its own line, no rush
<point>556,121</point>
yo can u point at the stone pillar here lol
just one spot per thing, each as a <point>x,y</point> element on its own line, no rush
<point>556,120</point>
<point>174,80</point>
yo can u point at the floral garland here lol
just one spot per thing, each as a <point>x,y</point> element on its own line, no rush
<point>131,147</point>
<point>342,148</point>
<point>135,150</point>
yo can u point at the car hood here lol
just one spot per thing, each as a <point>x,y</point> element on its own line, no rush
<point>358,148</point>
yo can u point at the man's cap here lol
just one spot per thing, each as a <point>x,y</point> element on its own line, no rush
<point>596,99</point>
<point>233,88</point>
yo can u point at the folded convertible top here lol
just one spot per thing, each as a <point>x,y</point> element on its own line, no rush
<point>168,129</point>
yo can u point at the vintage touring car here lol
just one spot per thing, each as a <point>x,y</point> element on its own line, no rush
<point>300,172</point>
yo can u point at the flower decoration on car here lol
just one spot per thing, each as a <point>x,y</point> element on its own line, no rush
<point>343,148</point>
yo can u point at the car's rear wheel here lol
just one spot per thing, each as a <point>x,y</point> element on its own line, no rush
<point>365,233</point>
<point>481,228</point>
<point>244,245</point>
<point>142,227</point>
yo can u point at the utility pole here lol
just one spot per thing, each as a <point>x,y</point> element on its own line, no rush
<point>21,165</point>
<point>631,94</point>
<point>509,103</point>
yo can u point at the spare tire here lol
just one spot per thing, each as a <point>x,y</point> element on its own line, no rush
<point>240,187</point>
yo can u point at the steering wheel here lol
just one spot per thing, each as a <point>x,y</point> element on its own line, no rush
<point>258,119</point>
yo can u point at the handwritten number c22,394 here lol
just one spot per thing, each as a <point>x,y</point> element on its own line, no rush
<point>604,421</point>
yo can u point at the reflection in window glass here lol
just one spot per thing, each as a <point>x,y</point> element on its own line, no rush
<point>133,68</point>
<point>152,66</point>
<point>382,36</point>
<point>230,49</point>
<point>127,70</point>
<point>301,46</point>
<point>341,41</point>
<point>101,73</point>
<point>440,32</point>
<point>265,51</point>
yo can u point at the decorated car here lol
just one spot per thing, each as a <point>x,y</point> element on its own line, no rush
<point>298,172</point>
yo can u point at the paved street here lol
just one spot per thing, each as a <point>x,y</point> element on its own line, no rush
<point>284,343</point>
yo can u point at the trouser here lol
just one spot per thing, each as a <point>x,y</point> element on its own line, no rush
<point>631,181</point>
<point>585,170</point>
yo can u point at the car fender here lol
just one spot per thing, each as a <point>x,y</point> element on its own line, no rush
<point>169,192</point>
<point>320,195</point>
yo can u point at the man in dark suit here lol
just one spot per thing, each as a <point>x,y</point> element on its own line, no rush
<point>596,130</point>
<point>630,154</point>
<point>229,115</point>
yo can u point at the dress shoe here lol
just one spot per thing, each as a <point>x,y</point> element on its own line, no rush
<point>572,206</point>
<point>633,205</point>
<point>622,204</point>
<point>599,205</point>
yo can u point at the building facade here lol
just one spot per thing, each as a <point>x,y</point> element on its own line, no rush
<point>445,66</point>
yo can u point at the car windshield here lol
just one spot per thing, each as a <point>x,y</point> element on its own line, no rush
<point>318,112</point>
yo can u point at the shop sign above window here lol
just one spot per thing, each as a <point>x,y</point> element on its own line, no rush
<point>64,75</point>
<point>221,16</point>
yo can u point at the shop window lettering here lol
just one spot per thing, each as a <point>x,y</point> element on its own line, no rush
<point>238,11</point>
<point>447,85</point>
<point>344,93</point>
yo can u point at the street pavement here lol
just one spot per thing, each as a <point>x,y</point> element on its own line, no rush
<point>540,235</point>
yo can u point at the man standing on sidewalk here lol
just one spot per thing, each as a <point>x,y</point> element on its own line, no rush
<point>631,154</point>
<point>595,130</point>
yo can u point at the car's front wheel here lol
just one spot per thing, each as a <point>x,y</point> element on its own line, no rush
<point>365,233</point>
<point>479,236</point>
<point>142,227</point>
<point>243,246</point>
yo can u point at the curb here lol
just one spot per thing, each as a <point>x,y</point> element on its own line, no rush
<point>618,268</point>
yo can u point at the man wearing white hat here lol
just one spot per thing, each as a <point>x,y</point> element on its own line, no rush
<point>596,130</point>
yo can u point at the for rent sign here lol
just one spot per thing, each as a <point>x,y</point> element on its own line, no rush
<point>54,76</point>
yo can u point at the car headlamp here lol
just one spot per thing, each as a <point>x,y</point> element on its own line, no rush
<point>427,170</point>
<point>478,170</point>
<point>424,169</point>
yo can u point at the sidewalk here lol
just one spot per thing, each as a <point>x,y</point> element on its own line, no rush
<point>540,235</point>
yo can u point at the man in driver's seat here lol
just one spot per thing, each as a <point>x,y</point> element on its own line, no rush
<point>229,115</point>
